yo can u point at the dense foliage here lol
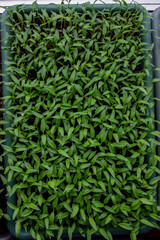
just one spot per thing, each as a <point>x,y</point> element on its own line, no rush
<point>81,157</point>
<point>3,180</point>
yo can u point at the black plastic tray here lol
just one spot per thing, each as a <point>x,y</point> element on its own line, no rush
<point>147,38</point>
<point>6,236</point>
<point>156,61</point>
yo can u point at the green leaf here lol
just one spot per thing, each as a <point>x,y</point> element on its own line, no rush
<point>105,234</point>
<point>33,234</point>
<point>17,227</point>
<point>146,201</point>
<point>38,236</point>
<point>60,232</point>
<point>116,137</point>
<point>125,226</point>
<point>33,206</point>
<point>71,230</point>
<point>61,131</point>
<point>70,131</point>
<point>63,153</point>
<point>75,210</point>
<point>107,125</point>
<point>135,190</point>
<point>7,217</point>
<point>157,157</point>
<point>15,213</point>
<point>93,224</point>
<point>133,235</point>
<point>154,180</point>
<point>147,223</point>
<point>102,184</point>
<point>43,125</point>
<point>108,219</point>
<point>82,213</point>
<point>40,200</point>
<point>43,139</point>
<point>54,183</point>
<point>73,76</point>
<point>68,188</point>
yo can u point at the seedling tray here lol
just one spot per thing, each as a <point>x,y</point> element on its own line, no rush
<point>156,60</point>
<point>147,38</point>
<point>7,236</point>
